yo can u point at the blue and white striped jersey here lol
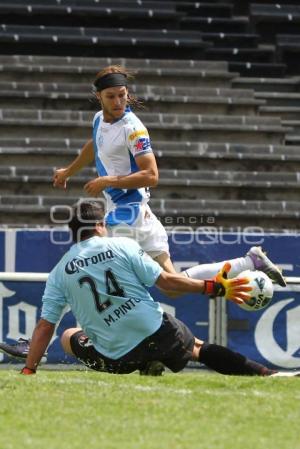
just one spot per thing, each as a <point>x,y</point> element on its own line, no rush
<point>116,146</point>
<point>104,282</point>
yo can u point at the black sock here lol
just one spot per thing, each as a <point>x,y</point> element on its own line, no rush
<point>225,361</point>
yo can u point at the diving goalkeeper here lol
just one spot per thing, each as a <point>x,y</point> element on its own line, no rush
<point>103,280</point>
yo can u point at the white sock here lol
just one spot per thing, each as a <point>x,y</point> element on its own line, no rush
<point>209,270</point>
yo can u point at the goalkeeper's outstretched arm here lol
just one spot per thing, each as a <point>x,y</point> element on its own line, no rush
<point>236,289</point>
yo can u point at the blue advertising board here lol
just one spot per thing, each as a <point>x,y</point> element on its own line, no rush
<point>271,336</point>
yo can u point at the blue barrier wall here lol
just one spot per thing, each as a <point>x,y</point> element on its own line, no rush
<point>271,336</point>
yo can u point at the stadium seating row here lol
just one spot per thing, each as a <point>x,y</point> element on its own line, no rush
<point>16,149</point>
<point>181,184</point>
<point>134,43</point>
<point>140,89</point>
<point>171,127</point>
<point>166,98</point>
<point>178,139</point>
<point>181,177</point>
<point>180,29</point>
<point>17,211</point>
<point>222,138</point>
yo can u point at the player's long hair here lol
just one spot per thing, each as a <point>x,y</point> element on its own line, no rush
<point>132,100</point>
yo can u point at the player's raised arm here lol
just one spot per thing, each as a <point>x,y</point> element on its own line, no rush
<point>85,157</point>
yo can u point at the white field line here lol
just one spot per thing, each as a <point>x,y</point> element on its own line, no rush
<point>158,388</point>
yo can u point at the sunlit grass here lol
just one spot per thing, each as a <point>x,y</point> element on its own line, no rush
<point>85,409</point>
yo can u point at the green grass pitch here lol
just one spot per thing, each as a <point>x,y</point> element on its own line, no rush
<point>85,409</point>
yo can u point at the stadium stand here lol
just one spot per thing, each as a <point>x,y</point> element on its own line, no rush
<point>158,98</point>
<point>221,113</point>
<point>285,16</point>
<point>105,41</point>
<point>288,49</point>
<point>278,24</point>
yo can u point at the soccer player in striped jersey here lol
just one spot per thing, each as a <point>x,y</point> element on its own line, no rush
<point>121,149</point>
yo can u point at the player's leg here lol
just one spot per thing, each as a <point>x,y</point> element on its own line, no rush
<point>148,231</point>
<point>175,345</point>
<point>76,343</point>
<point>65,339</point>
<point>255,259</point>
<point>153,238</point>
<point>225,361</point>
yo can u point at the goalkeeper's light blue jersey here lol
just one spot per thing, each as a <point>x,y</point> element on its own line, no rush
<point>104,281</point>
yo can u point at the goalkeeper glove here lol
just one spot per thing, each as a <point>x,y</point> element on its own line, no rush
<point>233,289</point>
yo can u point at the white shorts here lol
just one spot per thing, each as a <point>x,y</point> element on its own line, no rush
<point>147,230</point>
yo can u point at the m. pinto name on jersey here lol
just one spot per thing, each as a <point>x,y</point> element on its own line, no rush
<point>128,305</point>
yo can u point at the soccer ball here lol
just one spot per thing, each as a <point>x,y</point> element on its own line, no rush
<point>262,290</point>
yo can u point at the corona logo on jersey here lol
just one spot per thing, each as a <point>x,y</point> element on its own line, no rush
<point>74,265</point>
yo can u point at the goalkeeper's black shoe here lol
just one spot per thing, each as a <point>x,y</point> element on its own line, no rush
<point>155,368</point>
<point>17,350</point>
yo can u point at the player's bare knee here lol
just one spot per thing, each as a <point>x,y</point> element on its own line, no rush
<point>66,337</point>
<point>197,348</point>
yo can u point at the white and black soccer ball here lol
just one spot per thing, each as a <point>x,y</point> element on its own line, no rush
<point>261,293</point>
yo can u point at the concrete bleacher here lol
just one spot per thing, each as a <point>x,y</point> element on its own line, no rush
<point>158,98</point>
<point>180,29</point>
<point>161,126</point>
<point>285,84</point>
<point>147,14</point>
<point>282,100</point>
<point>79,69</point>
<point>175,183</point>
<point>285,16</point>
<point>172,212</point>
<point>193,142</point>
<point>288,49</point>
<point>58,40</point>
<point>277,23</point>
<point>185,140</point>
<point>228,146</point>
<point>244,34</point>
